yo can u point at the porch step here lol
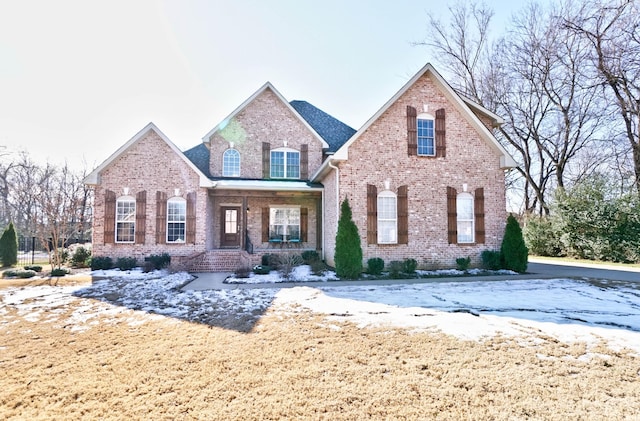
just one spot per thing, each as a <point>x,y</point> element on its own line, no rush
<point>220,261</point>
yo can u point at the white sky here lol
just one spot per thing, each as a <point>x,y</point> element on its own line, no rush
<point>79,78</point>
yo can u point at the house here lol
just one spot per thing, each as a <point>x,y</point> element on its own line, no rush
<point>424,177</point>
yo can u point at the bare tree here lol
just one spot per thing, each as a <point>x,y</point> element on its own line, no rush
<point>533,77</point>
<point>613,30</point>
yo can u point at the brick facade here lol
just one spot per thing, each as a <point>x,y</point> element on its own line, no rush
<point>150,165</point>
<point>380,155</point>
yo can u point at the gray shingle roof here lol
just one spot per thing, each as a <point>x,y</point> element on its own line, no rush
<point>333,131</point>
<point>199,155</point>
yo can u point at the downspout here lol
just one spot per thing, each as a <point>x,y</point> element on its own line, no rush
<point>324,237</point>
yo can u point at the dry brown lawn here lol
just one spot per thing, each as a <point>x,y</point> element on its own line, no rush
<point>300,366</point>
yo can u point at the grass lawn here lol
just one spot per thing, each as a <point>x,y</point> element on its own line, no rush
<point>583,261</point>
<point>294,364</point>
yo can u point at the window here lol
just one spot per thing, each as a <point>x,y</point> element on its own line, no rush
<point>426,145</point>
<point>231,163</point>
<point>125,219</point>
<point>284,224</point>
<point>387,218</point>
<point>464,210</point>
<point>285,163</point>
<point>176,220</point>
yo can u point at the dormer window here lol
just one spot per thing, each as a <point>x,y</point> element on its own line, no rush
<point>285,163</point>
<point>231,163</point>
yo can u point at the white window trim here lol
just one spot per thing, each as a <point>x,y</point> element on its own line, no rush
<point>465,196</point>
<point>425,116</point>
<point>224,154</point>
<point>275,207</point>
<point>382,195</point>
<point>184,223</point>
<point>286,151</point>
<point>123,199</point>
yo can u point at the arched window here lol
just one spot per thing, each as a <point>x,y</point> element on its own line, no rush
<point>176,220</point>
<point>231,163</point>
<point>426,140</point>
<point>125,219</point>
<point>464,210</point>
<point>387,218</point>
<point>285,163</point>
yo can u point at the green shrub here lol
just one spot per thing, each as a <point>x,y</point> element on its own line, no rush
<point>9,246</point>
<point>159,261</point>
<point>262,269</point>
<point>491,259</point>
<point>375,265</point>
<point>26,273</point>
<point>63,254</point>
<point>81,257</point>
<point>463,263</point>
<point>126,263</point>
<point>409,266</point>
<point>395,269</point>
<point>57,272</point>
<point>34,268</point>
<point>513,249</point>
<point>270,260</point>
<point>348,253</point>
<point>101,263</point>
<point>541,237</point>
<point>9,273</point>
<point>310,256</point>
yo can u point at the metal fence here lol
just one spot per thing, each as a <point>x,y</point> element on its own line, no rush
<point>30,251</point>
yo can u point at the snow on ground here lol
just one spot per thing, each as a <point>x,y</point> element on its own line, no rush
<point>568,310</point>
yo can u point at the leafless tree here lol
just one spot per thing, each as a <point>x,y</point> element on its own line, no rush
<point>533,77</point>
<point>612,29</point>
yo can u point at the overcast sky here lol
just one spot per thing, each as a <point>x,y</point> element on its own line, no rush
<point>80,78</point>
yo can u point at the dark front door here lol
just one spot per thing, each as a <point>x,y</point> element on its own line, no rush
<point>230,227</point>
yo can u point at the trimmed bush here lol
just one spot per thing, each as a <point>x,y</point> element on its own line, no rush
<point>409,266</point>
<point>34,268</point>
<point>9,273</point>
<point>81,257</point>
<point>126,263</point>
<point>375,265</point>
<point>463,263</point>
<point>491,259</point>
<point>348,253</point>
<point>395,269</point>
<point>262,269</point>
<point>159,261</point>
<point>57,272</point>
<point>101,263</point>
<point>270,260</point>
<point>9,246</point>
<point>310,256</point>
<point>514,250</point>
<point>26,274</point>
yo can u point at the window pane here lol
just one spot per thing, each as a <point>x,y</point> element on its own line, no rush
<point>387,232</point>
<point>176,220</point>
<point>465,232</point>
<point>387,207</point>
<point>125,221</point>
<point>425,137</point>
<point>465,208</point>
<point>293,165</point>
<point>231,221</point>
<point>277,164</point>
<point>387,218</point>
<point>284,224</point>
<point>175,232</point>
<point>176,211</point>
<point>231,163</point>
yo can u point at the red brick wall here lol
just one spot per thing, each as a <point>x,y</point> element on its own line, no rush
<point>265,119</point>
<point>149,164</point>
<point>380,154</point>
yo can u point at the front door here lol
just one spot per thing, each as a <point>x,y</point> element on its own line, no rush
<point>230,227</point>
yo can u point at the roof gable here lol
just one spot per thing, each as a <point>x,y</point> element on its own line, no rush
<point>463,105</point>
<point>266,86</point>
<point>94,177</point>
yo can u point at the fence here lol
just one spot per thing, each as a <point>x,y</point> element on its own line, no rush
<point>30,251</point>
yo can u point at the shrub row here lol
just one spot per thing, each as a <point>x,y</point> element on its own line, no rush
<point>152,262</point>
